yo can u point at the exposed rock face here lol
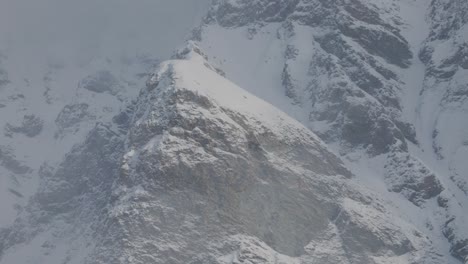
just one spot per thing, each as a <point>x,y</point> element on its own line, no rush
<point>460,245</point>
<point>415,182</point>
<point>355,89</point>
<point>9,161</point>
<point>348,77</point>
<point>346,64</point>
<point>31,126</point>
<point>241,12</point>
<point>100,82</point>
<point>71,116</point>
<point>190,177</point>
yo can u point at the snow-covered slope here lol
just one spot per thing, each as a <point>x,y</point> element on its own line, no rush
<point>351,72</point>
<point>199,171</point>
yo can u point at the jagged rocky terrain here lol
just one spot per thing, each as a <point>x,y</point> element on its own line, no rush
<point>284,131</point>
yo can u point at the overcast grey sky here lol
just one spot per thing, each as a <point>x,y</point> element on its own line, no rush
<point>63,28</point>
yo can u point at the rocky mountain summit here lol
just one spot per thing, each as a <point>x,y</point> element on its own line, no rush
<point>200,171</point>
<point>283,131</point>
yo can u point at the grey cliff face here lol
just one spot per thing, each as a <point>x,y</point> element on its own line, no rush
<point>362,74</point>
<point>70,117</point>
<point>351,78</point>
<point>100,82</point>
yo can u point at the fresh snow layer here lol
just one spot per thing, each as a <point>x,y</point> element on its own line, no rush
<point>195,76</point>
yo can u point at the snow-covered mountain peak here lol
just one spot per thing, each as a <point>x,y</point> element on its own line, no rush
<point>201,170</point>
<point>283,131</point>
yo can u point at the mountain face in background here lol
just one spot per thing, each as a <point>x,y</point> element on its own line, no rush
<point>283,131</point>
